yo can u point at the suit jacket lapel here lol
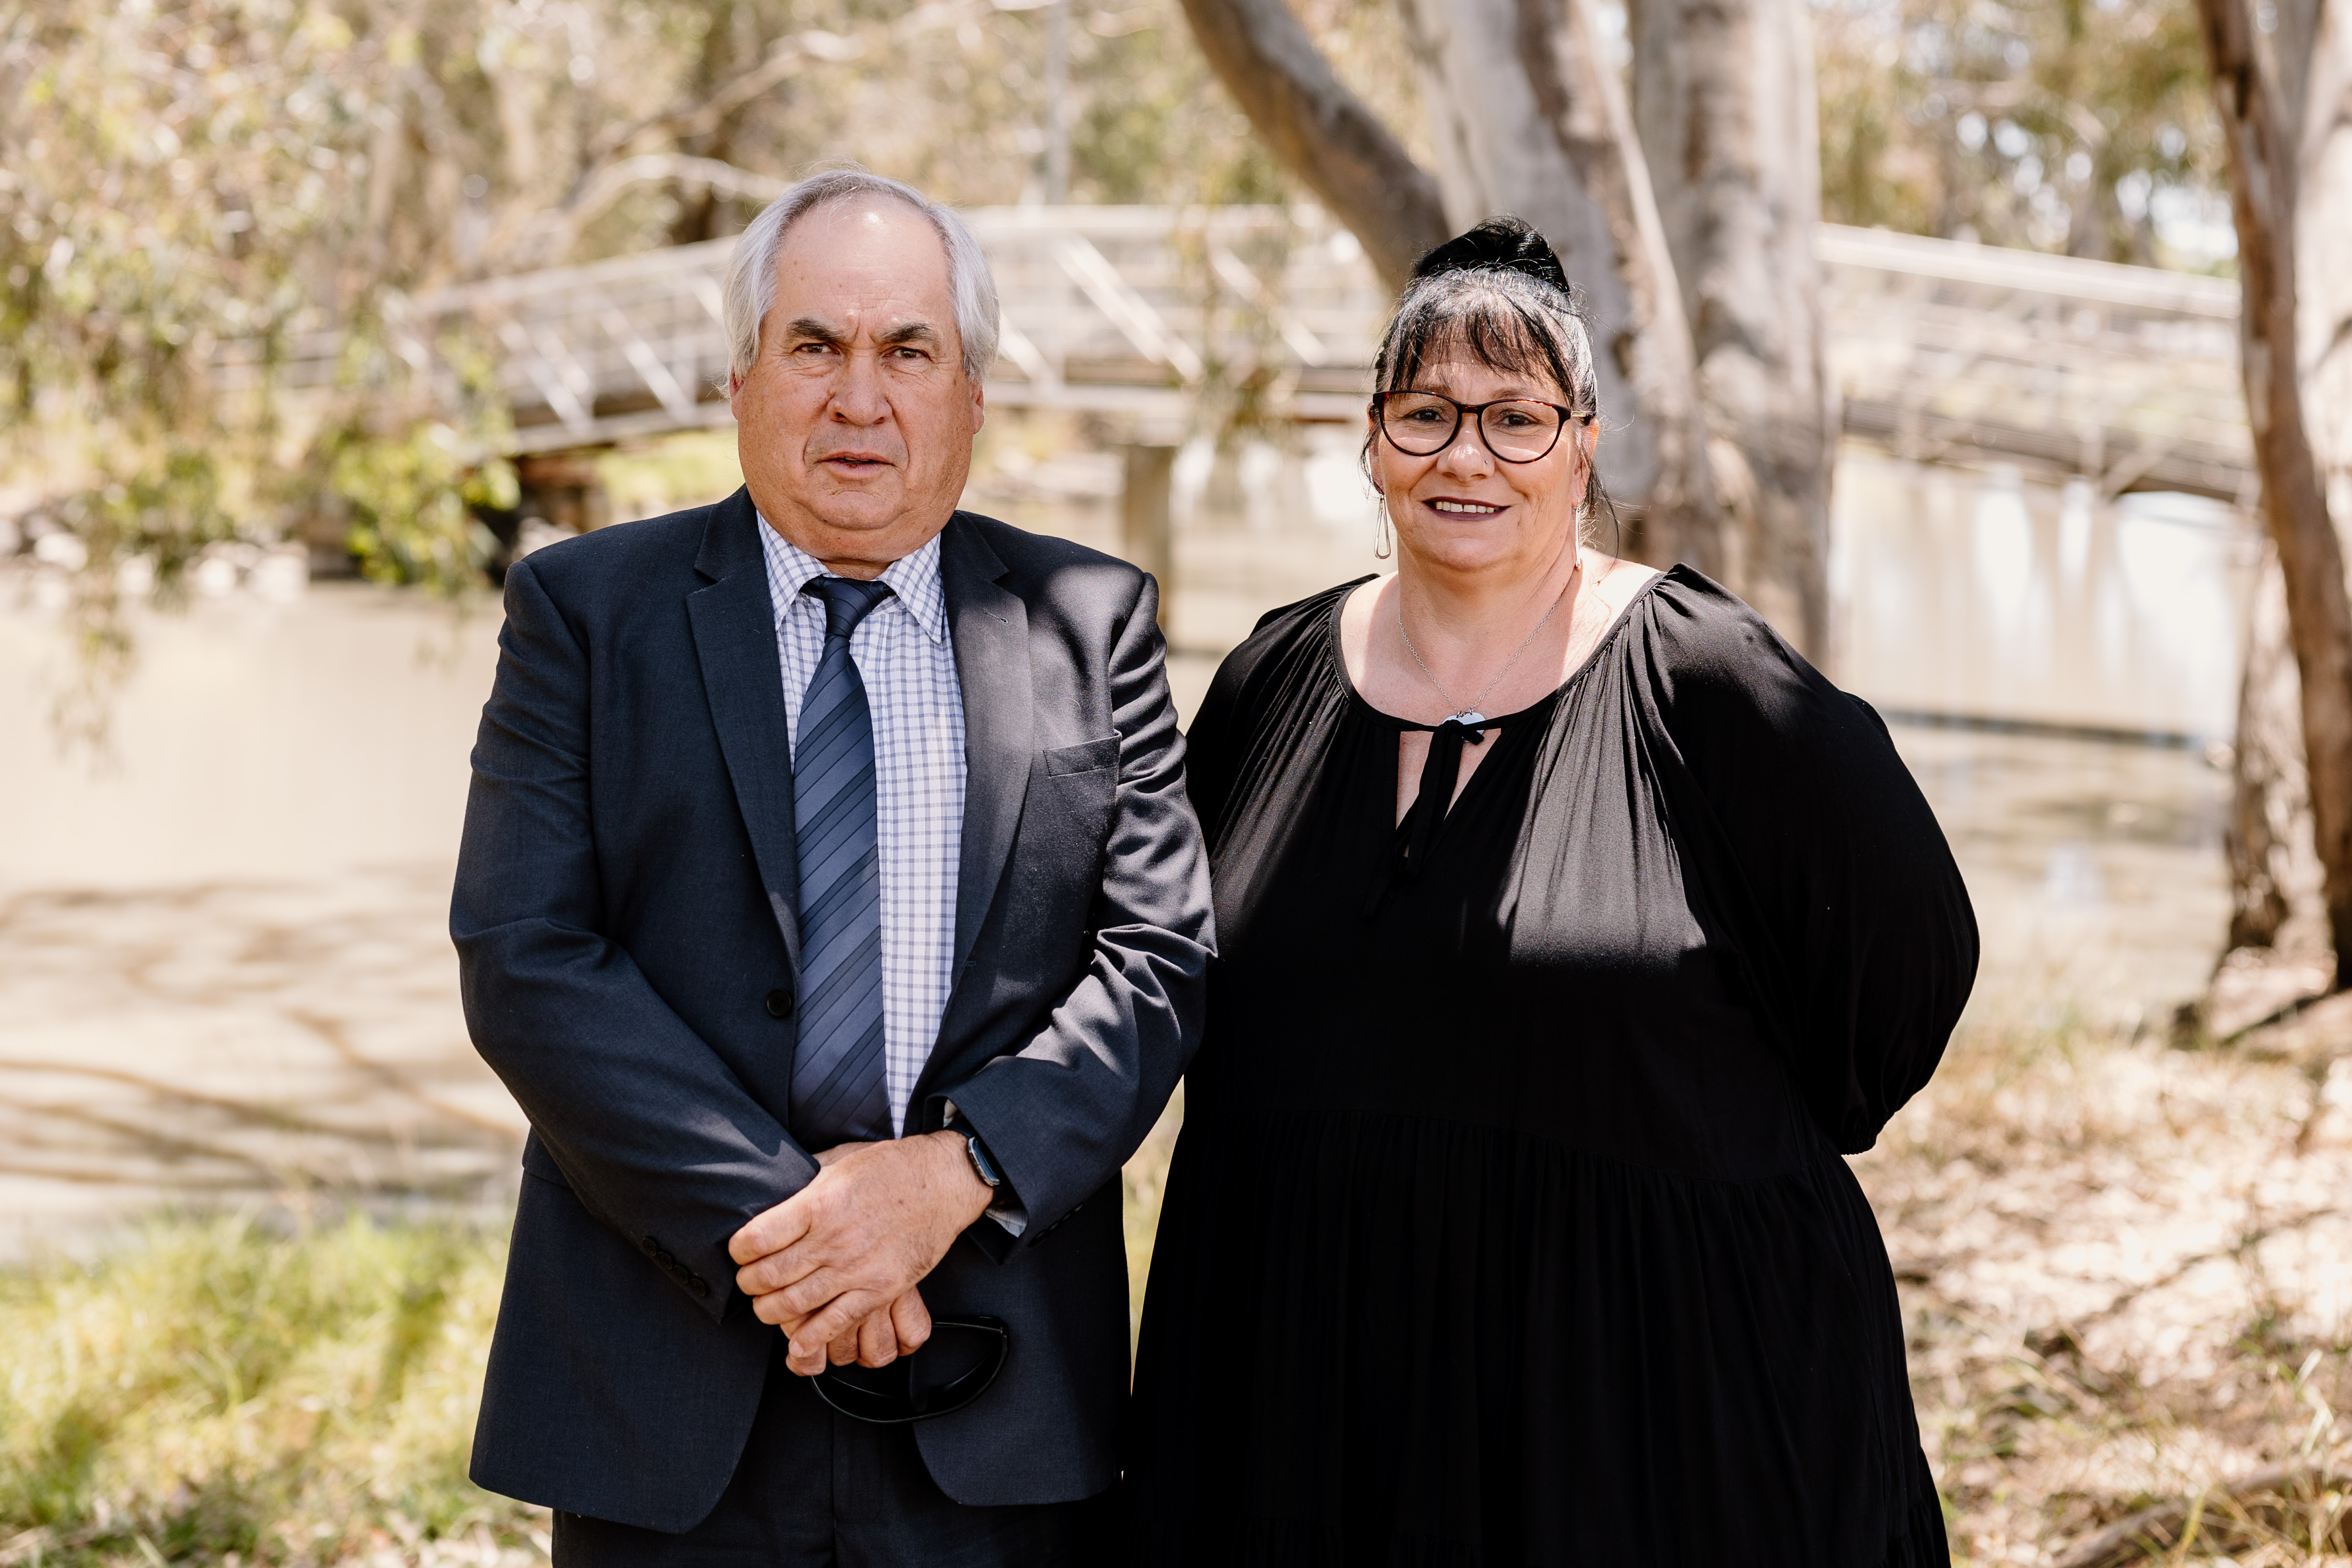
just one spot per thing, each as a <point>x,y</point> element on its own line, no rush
<point>735,640</point>
<point>989,627</point>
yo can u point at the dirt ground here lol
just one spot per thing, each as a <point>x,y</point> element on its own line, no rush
<point>239,1043</point>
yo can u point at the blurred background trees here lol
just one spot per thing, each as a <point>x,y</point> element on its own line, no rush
<point>192,191</point>
<point>2084,127</point>
<point>187,188</point>
<point>171,184</point>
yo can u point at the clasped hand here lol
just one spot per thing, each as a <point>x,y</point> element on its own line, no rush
<point>835,1265</point>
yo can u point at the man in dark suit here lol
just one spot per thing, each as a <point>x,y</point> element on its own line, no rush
<point>831,904</point>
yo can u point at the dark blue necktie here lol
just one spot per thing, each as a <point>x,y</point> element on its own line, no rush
<point>839,1094</point>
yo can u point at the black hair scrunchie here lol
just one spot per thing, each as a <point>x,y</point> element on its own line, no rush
<point>1509,243</point>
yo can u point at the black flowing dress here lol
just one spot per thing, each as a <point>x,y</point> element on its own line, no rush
<point>1508,1224</point>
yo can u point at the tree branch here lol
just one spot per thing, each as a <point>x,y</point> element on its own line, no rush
<point>546,238</point>
<point>1321,131</point>
<point>701,113</point>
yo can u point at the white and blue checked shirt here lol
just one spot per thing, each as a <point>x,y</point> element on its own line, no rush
<point>907,660</point>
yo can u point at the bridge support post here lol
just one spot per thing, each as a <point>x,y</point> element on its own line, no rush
<point>1144,534</point>
<point>564,491</point>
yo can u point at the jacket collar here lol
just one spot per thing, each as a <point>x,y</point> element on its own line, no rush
<point>734,627</point>
<point>989,624</point>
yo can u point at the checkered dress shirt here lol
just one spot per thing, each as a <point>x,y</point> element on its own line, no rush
<point>905,657</point>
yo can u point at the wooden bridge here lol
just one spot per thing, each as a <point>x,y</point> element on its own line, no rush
<point>2123,376</point>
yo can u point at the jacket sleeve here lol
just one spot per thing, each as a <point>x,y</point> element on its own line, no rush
<point>1062,1114</point>
<point>1852,927</point>
<point>654,1132</point>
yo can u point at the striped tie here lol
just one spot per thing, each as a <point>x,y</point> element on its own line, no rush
<point>838,1092</point>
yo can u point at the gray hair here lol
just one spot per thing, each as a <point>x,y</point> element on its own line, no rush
<point>751,270</point>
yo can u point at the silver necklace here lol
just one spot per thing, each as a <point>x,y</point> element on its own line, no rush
<point>1468,716</point>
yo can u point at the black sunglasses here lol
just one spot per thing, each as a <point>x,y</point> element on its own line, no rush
<point>1516,429</point>
<point>954,1367</point>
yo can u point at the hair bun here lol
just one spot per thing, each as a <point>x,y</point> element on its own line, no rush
<point>1509,243</point>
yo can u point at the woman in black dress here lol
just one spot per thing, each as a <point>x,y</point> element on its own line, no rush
<point>1571,926</point>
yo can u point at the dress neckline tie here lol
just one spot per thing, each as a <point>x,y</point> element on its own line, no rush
<point>1440,771</point>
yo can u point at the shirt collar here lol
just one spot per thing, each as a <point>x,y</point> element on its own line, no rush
<point>914,579</point>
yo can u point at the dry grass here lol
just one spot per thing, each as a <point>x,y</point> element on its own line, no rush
<point>1144,1181</point>
<point>220,1392</point>
<point>222,1395</point>
<point>2127,1273</point>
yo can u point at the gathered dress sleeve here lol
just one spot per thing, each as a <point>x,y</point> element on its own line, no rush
<point>1815,848</point>
<point>1265,676</point>
<point>1208,750</point>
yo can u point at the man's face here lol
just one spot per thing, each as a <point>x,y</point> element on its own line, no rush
<point>854,423</point>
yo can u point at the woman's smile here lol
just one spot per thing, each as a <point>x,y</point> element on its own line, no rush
<point>1454,506</point>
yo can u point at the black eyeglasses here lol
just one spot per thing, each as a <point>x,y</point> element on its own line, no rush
<point>954,1367</point>
<point>1516,429</point>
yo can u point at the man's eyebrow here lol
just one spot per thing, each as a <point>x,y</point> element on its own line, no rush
<point>810,327</point>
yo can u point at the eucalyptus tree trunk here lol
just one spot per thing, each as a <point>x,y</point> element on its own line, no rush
<point>1321,131</point>
<point>2271,157</point>
<point>1725,102</point>
<point>2275,877</point>
<point>2275,880</point>
<point>2318,100</point>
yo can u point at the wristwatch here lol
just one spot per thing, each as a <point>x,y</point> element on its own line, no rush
<point>981,1165</point>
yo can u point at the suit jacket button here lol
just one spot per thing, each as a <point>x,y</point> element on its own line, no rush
<point>694,1282</point>
<point>651,1246</point>
<point>779,1002</point>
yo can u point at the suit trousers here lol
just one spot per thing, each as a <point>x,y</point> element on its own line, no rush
<point>816,1489</point>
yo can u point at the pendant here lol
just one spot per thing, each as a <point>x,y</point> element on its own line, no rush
<point>1469,719</point>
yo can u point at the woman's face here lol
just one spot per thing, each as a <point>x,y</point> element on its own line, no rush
<point>1464,509</point>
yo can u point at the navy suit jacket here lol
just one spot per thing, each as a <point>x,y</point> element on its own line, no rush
<point>624,918</point>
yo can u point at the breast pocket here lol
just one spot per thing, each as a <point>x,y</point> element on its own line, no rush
<point>1066,824</point>
<point>1084,757</point>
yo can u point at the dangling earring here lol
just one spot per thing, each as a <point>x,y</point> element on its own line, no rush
<point>1381,546</point>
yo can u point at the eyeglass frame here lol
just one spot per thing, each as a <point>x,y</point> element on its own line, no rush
<point>1465,411</point>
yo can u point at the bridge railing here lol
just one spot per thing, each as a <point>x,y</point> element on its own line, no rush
<point>2125,376</point>
<point>1147,306</point>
